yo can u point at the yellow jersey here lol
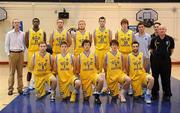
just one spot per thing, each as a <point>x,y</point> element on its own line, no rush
<point>57,39</point>
<point>136,67</point>
<point>34,39</point>
<point>80,38</point>
<point>125,41</point>
<point>65,66</point>
<point>87,65</point>
<point>42,64</point>
<point>114,64</point>
<point>102,39</point>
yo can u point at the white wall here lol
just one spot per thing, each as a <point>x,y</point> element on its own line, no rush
<point>90,12</point>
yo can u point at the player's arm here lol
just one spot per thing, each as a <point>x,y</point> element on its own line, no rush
<point>73,64</point>
<point>105,64</point>
<point>94,37</point>
<point>110,35</point>
<point>90,37</point>
<point>51,40</point>
<point>52,61</point>
<point>69,41</point>
<point>44,38</point>
<point>123,64</point>
<point>127,65</point>
<point>32,63</point>
<point>55,65</point>
<point>77,63</point>
<point>116,36</point>
<point>96,62</point>
<point>27,39</point>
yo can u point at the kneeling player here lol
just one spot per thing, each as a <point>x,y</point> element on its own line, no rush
<point>137,73</point>
<point>113,67</point>
<point>64,65</point>
<point>41,66</point>
<point>87,67</point>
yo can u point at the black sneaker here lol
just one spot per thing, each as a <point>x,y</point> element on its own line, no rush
<point>20,92</point>
<point>114,100</point>
<point>10,92</point>
<point>86,100</point>
<point>97,100</point>
<point>155,97</point>
<point>166,98</point>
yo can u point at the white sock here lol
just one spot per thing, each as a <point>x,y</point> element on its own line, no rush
<point>148,91</point>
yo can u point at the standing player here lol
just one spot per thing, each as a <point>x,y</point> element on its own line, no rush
<point>137,73</point>
<point>80,36</point>
<point>59,35</point>
<point>125,37</point>
<point>32,37</point>
<point>41,65</point>
<point>102,37</point>
<point>113,67</point>
<point>87,67</point>
<point>64,65</point>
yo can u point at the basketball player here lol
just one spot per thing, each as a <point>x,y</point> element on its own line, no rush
<point>32,37</point>
<point>102,37</point>
<point>59,35</point>
<point>87,67</point>
<point>64,65</point>
<point>41,65</point>
<point>125,37</point>
<point>113,67</point>
<point>139,77</point>
<point>80,36</point>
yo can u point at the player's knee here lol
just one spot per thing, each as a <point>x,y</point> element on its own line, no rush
<point>100,80</point>
<point>53,79</point>
<point>77,83</point>
<point>128,80</point>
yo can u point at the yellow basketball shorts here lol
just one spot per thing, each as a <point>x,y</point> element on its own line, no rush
<point>138,83</point>
<point>40,81</point>
<point>87,84</point>
<point>66,87</point>
<point>113,82</point>
<point>101,55</point>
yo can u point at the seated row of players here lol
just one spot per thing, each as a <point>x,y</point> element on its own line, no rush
<point>83,70</point>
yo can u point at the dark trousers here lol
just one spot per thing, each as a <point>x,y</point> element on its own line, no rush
<point>162,67</point>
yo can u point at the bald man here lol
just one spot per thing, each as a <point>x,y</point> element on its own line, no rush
<point>161,49</point>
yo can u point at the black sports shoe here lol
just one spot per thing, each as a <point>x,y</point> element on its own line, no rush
<point>97,100</point>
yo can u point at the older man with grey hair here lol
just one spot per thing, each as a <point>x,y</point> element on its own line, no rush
<point>161,49</point>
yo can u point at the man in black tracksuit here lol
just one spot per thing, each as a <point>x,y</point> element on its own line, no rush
<point>161,49</point>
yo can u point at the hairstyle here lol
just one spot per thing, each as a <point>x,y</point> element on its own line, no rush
<point>60,19</point>
<point>135,42</point>
<point>114,42</point>
<point>102,17</point>
<point>124,21</point>
<point>156,23</point>
<point>35,19</point>
<point>86,41</point>
<point>63,43</point>
<point>42,42</point>
<point>140,23</point>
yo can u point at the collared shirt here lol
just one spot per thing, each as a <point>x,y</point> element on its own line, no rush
<point>14,41</point>
<point>162,47</point>
<point>144,43</point>
<point>153,36</point>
